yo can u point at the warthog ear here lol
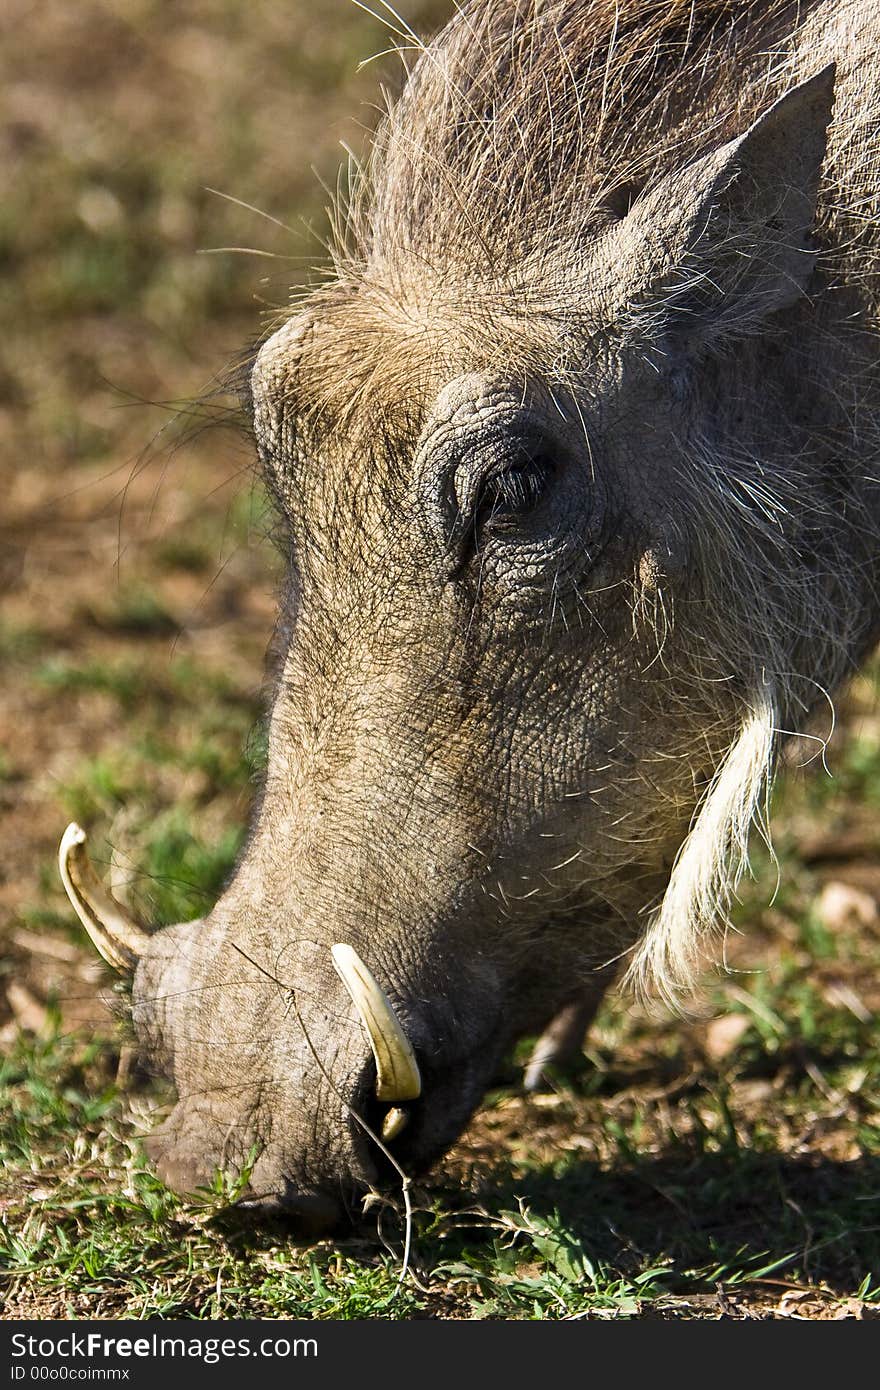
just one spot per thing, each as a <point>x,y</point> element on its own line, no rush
<point>719,244</point>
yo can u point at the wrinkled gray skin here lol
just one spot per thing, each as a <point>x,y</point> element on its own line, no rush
<point>563,479</point>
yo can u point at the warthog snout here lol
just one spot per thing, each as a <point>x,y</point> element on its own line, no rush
<point>307,1034</point>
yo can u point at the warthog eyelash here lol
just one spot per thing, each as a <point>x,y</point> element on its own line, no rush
<point>513,492</point>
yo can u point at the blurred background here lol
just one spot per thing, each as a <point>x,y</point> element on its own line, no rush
<point>736,1151</point>
<point>137,581</point>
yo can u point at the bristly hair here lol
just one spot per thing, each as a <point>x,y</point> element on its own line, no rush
<point>530,124</point>
<point>711,861</point>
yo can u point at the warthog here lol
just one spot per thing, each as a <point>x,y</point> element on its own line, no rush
<point>577,455</point>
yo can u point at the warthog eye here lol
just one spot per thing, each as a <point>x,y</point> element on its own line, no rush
<point>512,492</point>
<point>503,480</point>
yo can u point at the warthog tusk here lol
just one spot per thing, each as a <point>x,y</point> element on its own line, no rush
<point>116,935</point>
<point>397,1072</point>
<point>394,1123</point>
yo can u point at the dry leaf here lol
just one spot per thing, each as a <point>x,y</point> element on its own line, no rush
<point>840,906</point>
<point>723,1034</point>
<point>29,1013</point>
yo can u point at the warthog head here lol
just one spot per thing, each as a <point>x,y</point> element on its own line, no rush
<point>572,534</point>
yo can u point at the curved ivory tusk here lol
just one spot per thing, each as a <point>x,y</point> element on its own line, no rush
<point>116,935</point>
<point>397,1072</point>
<point>394,1123</point>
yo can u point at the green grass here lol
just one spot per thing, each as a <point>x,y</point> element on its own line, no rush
<point>121,679</point>
<point>182,874</point>
<point>648,1225</point>
<point>19,643</point>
